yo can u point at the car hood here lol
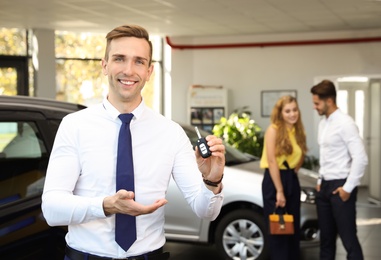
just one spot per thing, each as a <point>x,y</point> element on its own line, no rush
<point>242,183</point>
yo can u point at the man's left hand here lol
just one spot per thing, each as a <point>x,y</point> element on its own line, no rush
<point>212,167</point>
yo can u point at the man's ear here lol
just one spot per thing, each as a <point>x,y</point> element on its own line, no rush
<point>104,66</point>
<point>330,102</point>
<point>150,70</point>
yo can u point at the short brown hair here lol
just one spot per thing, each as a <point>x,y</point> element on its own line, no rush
<point>324,90</point>
<point>128,31</point>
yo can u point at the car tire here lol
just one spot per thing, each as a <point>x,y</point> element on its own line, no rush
<point>241,235</point>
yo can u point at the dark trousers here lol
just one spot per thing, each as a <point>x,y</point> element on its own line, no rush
<point>73,254</point>
<point>283,247</point>
<point>337,217</point>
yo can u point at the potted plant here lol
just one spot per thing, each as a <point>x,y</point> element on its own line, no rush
<point>241,131</point>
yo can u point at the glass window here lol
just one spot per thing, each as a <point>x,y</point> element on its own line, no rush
<point>342,100</point>
<point>8,81</point>
<point>80,81</point>
<point>13,50</point>
<point>152,89</point>
<point>31,90</point>
<point>23,159</point>
<point>359,110</point>
<point>79,45</point>
<point>20,140</point>
<point>12,42</point>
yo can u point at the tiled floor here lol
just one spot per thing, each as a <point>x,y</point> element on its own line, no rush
<point>368,230</point>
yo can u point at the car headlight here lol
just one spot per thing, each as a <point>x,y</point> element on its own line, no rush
<point>308,195</point>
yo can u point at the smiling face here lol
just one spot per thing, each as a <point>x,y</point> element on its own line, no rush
<point>128,69</point>
<point>290,113</point>
<point>320,105</point>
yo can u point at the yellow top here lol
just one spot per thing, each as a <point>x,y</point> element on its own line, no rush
<point>292,159</point>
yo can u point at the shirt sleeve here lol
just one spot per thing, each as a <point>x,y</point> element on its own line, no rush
<point>59,205</point>
<point>358,154</point>
<point>214,203</point>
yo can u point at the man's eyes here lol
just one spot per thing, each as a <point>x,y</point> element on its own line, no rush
<point>137,61</point>
<point>140,62</point>
<point>118,58</point>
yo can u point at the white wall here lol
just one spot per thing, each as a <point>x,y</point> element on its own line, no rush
<point>247,71</point>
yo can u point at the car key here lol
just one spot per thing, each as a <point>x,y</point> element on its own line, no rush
<point>203,148</point>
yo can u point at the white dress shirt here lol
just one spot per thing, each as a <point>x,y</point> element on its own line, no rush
<point>82,172</point>
<point>342,152</point>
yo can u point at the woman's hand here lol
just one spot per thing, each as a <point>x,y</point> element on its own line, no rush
<point>280,199</point>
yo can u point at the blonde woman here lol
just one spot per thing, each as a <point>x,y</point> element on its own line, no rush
<point>282,157</point>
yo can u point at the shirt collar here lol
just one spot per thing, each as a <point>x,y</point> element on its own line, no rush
<point>334,114</point>
<point>114,113</point>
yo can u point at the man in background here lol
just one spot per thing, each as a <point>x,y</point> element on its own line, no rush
<point>342,164</point>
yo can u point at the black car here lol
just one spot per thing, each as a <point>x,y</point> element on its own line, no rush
<point>27,131</point>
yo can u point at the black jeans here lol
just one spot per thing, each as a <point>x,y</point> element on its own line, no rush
<point>337,217</point>
<point>283,247</point>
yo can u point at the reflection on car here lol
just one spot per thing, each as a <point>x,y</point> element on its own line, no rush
<point>27,130</point>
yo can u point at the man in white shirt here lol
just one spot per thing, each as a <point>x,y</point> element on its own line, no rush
<point>342,164</point>
<point>80,188</point>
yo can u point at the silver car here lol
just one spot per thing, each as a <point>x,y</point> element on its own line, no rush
<point>239,231</point>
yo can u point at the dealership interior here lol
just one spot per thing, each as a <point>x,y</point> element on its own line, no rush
<point>249,48</point>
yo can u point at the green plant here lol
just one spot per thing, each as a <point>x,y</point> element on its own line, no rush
<point>240,131</point>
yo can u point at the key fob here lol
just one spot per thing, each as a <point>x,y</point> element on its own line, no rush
<point>203,148</point>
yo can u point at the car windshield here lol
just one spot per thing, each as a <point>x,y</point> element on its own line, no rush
<point>233,156</point>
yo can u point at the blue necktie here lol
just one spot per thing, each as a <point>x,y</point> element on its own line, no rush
<point>125,225</point>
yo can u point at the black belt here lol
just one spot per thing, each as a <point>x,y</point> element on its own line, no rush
<point>78,255</point>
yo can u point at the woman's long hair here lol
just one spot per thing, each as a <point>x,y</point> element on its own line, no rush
<point>283,142</point>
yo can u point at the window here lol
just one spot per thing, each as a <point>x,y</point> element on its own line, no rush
<point>13,42</point>
<point>8,81</point>
<point>23,160</point>
<point>14,75</point>
<point>360,110</point>
<point>20,140</point>
<point>342,100</point>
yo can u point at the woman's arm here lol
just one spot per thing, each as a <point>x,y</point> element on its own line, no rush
<point>273,166</point>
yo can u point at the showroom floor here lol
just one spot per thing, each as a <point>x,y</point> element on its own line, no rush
<point>368,230</point>
<point>369,233</point>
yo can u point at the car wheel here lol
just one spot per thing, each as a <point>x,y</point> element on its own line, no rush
<point>241,235</point>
